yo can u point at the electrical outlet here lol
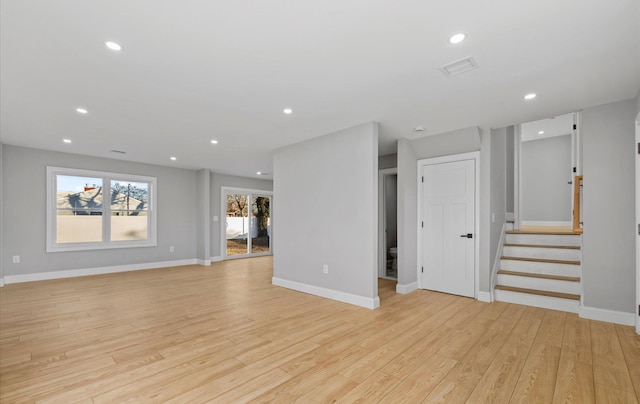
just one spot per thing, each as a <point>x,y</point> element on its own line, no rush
<point>16,259</point>
<point>171,249</point>
<point>325,268</point>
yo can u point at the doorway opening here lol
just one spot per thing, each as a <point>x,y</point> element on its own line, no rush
<point>247,227</point>
<point>388,223</point>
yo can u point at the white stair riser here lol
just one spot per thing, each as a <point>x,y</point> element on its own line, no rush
<point>545,253</point>
<point>546,268</point>
<point>549,285</point>
<point>545,302</point>
<point>544,239</point>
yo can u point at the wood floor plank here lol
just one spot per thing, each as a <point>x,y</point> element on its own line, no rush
<point>224,333</point>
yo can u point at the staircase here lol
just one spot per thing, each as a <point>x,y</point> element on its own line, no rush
<point>541,269</point>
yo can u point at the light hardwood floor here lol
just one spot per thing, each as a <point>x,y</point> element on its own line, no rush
<point>225,334</point>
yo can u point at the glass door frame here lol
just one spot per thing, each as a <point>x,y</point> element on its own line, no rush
<point>224,191</point>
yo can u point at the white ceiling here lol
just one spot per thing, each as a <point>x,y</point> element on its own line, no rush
<point>194,70</point>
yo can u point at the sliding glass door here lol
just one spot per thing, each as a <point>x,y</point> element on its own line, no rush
<point>247,226</point>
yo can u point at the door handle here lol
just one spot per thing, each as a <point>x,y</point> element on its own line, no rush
<point>468,235</point>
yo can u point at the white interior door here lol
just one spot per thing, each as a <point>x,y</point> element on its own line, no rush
<point>448,227</point>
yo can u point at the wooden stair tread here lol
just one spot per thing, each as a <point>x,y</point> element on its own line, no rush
<point>541,260</point>
<point>547,232</point>
<point>539,292</point>
<point>540,276</point>
<point>565,247</point>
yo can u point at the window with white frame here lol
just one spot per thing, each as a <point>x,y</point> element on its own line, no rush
<point>89,210</point>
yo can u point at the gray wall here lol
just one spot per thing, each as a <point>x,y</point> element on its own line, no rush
<point>609,206</point>
<point>2,213</point>
<point>546,169</point>
<point>326,192</point>
<point>391,210</point>
<point>409,152</point>
<point>24,213</point>
<point>407,214</point>
<point>222,180</point>
<point>498,192</point>
<point>204,215</point>
<point>388,161</point>
<point>510,169</point>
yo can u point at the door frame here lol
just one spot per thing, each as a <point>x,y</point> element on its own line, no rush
<point>475,156</point>
<point>223,221</point>
<point>637,153</point>
<point>382,210</point>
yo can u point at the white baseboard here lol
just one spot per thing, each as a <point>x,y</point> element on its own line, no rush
<point>216,259</point>
<point>204,263</point>
<point>1,282</point>
<point>485,296</point>
<point>406,289</point>
<point>369,303</point>
<point>43,276</point>
<point>610,316</point>
<point>509,216</point>
<point>545,223</point>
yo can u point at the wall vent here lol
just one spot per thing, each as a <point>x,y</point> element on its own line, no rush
<point>459,67</point>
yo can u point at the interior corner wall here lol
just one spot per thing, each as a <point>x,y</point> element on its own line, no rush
<point>498,192</point>
<point>510,169</point>
<point>24,213</point>
<point>204,216</point>
<point>484,232</point>
<point>608,248</point>
<point>223,180</point>
<point>407,215</point>
<point>387,161</point>
<point>1,215</point>
<point>326,189</point>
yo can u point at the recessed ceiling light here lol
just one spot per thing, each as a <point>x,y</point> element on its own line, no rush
<point>66,140</point>
<point>81,111</point>
<point>457,38</point>
<point>173,159</point>
<point>259,173</point>
<point>541,132</point>
<point>530,96</point>
<point>113,46</point>
<point>287,111</point>
<point>214,142</point>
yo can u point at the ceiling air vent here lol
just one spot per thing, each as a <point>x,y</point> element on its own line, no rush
<point>459,67</point>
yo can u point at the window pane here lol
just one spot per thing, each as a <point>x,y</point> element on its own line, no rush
<point>237,223</point>
<point>261,223</point>
<point>78,194</point>
<point>78,228</point>
<point>127,195</point>
<point>129,225</point>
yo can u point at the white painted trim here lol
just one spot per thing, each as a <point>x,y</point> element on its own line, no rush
<point>382,239</point>
<point>406,289</point>
<point>637,316</point>
<point>546,223</point>
<point>72,273</point>
<point>610,316</point>
<point>545,302</point>
<point>509,217</point>
<point>475,156</point>
<point>204,263</point>
<point>223,219</point>
<point>216,259</point>
<point>1,282</point>
<point>366,302</point>
<point>485,296</point>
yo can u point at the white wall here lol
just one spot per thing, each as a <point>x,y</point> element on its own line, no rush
<point>2,213</point>
<point>609,206</point>
<point>24,213</point>
<point>332,182</point>
<point>203,200</point>
<point>222,180</point>
<point>545,172</point>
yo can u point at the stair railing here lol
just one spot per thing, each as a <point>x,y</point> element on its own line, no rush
<point>577,183</point>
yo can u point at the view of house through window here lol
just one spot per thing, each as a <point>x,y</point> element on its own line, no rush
<point>81,217</point>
